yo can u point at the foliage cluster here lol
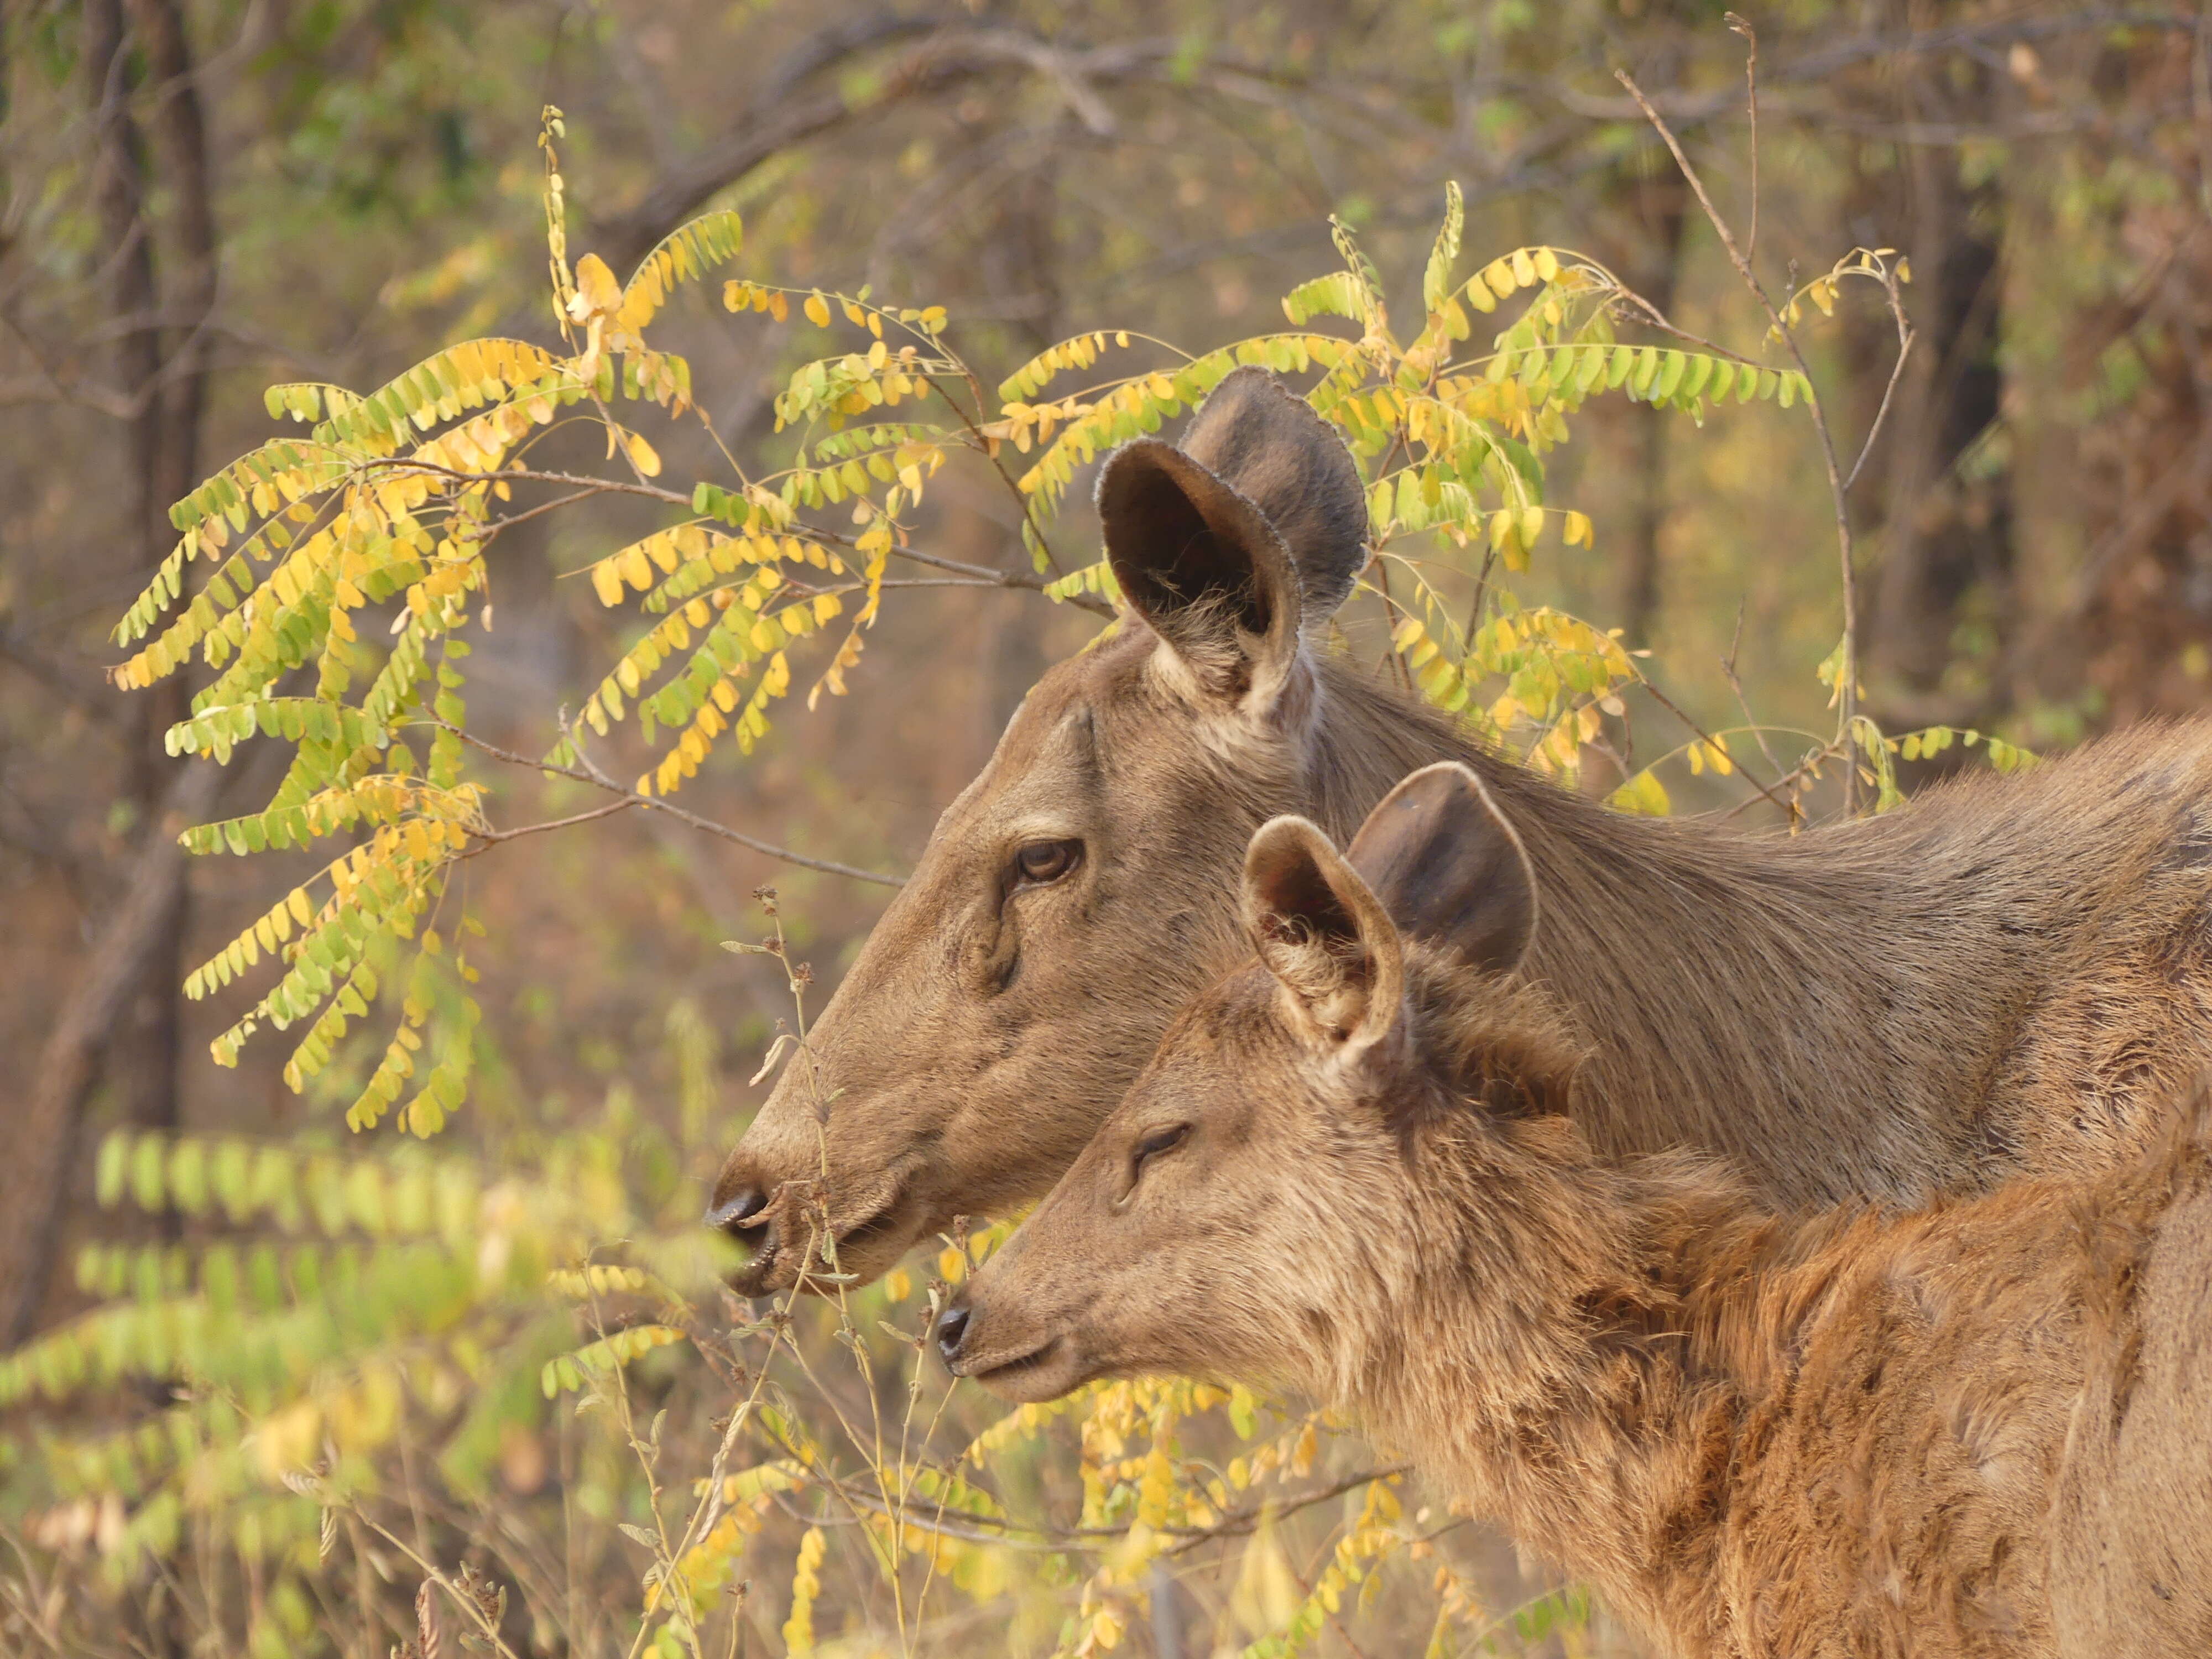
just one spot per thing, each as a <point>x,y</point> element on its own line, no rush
<point>500,1391</point>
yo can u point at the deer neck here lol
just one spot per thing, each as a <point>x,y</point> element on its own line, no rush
<point>1563,1367</point>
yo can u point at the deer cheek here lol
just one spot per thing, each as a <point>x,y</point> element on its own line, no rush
<point>992,957</point>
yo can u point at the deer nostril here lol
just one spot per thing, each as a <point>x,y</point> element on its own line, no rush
<point>732,1211</point>
<point>952,1328</point>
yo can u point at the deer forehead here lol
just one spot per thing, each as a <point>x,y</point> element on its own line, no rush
<point>1040,779</point>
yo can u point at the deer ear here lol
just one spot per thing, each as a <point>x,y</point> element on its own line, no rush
<point>1267,443</point>
<point>1323,935</point>
<point>1449,868</point>
<point>1203,566</point>
<point>1231,543</point>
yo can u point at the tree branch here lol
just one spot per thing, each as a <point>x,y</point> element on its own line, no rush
<point>587,772</point>
<point>953,55</point>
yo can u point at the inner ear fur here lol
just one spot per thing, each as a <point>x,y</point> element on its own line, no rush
<point>1449,867</point>
<point>1324,936</point>
<point>1196,560</point>
<point>1230,544</point>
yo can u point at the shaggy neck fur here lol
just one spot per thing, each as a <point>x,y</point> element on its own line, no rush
<point>1753,1435</point>
<point>1576,1394</point>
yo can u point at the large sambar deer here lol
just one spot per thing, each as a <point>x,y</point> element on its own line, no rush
<point>1995,977</point>
<point>1984,1428</point>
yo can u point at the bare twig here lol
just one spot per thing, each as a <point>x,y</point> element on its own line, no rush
<point>1904,338</point>
<point>989,1530</point>
<point>989,451</point>
<point>1657,318</point>
<point>1847,667</point>
<point>488,1631</point>
<point>493,837</point>
<point>997,578</point>
<point>1707,738</point>
<point>1751,97</point>
<point>588,773</point>
<point>583,482</point>
<point>492,528</point>
<point>588,486</point>
<point>1757,732</point>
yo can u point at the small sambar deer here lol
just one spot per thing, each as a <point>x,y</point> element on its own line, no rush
<point>1982,1428</point>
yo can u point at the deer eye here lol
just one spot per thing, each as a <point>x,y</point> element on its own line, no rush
<point>1042,861</point>
<point>1158,1141</point>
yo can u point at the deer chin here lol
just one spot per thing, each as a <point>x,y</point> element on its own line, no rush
<point>1056,1366</point>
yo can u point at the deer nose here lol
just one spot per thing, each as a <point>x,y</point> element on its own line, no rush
<point>951,1329</point>
<point>731,1211</point>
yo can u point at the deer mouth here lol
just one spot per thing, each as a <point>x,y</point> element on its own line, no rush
<point>789,1250</point>
<point>1044,1372</point>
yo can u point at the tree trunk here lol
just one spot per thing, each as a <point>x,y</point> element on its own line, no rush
<point>47,1120</point>
<point>166,434</point>
<point>1947,555</point>
<point>127,1012</point>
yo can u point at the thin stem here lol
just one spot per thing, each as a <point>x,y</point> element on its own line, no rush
<point>1656,319</point>
<point>1749,777</point>
<point>1847,674</point>
<point>1905,339</point>
<point>491,837</point>
<point>989,451</point>
<point>489,1632</point>
<point>1751,96</point>
<point>492,527</point>
<point>581,480</point>
<point>988,1529</point>
<point>588,773</point>
<point>997,578</point>
<point>1735,684</point>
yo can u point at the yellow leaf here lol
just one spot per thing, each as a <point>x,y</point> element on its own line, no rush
<point>818,311</point>
<point>1642,794</point>
<point>606,582</point>
<point>596,291</point>
<point>1266,1596</point>
<point>643,456</point>
<point>1577,533</point>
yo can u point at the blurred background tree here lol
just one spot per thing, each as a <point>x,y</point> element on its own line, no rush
<point>204,196</point>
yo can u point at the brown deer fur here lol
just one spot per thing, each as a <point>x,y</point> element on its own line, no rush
<point>1984,1428</point>
<point>1997,977</point>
